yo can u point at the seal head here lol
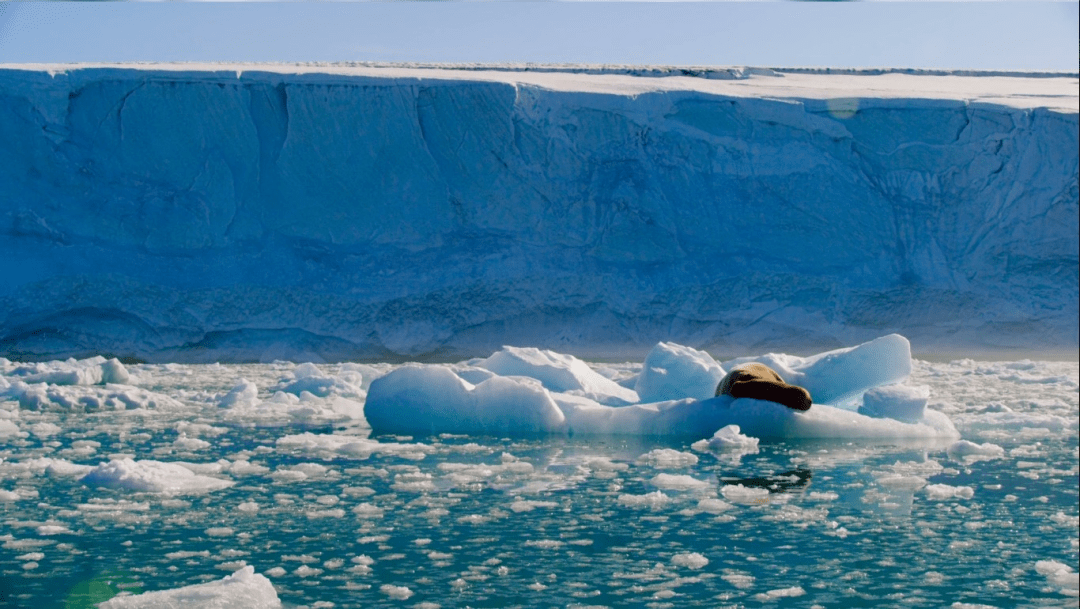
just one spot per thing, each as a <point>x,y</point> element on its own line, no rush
<point>761,382</point>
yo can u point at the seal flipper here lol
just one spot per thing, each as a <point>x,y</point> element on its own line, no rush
<point>792,396</point>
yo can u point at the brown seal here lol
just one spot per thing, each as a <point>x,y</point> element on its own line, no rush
<point>761,382</point>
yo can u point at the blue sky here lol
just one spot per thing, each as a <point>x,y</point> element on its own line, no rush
<point>960,35</point>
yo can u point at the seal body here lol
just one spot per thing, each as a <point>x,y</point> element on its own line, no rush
<point>761,382</point>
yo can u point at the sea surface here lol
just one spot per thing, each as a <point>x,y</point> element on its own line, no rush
<point>480,521</point>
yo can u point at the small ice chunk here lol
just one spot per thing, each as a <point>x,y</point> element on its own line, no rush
<point>398,593</point>
<point>668,458</point>
<point>712,505</point>
<point>8,428</point>
<point>901,402</point>
<point>334,445</point>
<point>368,511</point>
<point>151,476</point>
<point>43,430</point>
<point>901,482</point>
<point>738,579</point>
<point>244,589</point>
<point>184,443</point>
<point>772,595</point>
<point>1060,574</point>
<point>672,482</point>
<point>244,394</point>
<point>942,492</point>
<point>113,371</point>
<point>655,499</point>
<point>545,544</point>
<point>737,493</point>
<point>53,529</point>
<point>527,505</point>
<point>728,437</point>
<point>674,372</point>
<point>691,560</point>
<point>308,378</point>
<point>963,450</point>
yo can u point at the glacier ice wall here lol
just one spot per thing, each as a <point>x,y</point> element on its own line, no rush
<point>216,215</point>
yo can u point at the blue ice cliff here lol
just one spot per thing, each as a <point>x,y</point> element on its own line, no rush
<point>201,214</point>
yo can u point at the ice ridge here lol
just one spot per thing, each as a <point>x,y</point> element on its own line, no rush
<point>189,214</point>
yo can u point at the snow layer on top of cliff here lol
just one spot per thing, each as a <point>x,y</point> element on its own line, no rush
<point>1013,89</point>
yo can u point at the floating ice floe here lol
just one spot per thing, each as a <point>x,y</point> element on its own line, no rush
<point>667,458</point>
<point>307,377</point>
<point>44,396</point>
<point>9,428</point>
<point>1060,574</point>
<point>964,450</point>
<point>679,482</point>
<point>91,371</point>
<point>244,589</point>
<point>728,438</point>
<point>243,405</point>
<point>151,476</point>
<point>692,560</point>
<point>540,392</point>
<point>942,492</point>
<point>330,445</point>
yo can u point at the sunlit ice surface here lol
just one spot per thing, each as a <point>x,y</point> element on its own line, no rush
<point>125,480</point>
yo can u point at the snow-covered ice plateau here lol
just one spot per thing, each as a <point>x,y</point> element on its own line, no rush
<point>263,485</point>
<point>247,213</point>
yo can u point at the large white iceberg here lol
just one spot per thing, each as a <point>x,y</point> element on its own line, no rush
<point>434,399</point>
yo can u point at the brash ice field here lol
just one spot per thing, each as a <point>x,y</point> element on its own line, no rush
<point>261,484</point>
<point>418,336</point>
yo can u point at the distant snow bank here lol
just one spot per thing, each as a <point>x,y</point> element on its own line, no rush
<point>255,212</point>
